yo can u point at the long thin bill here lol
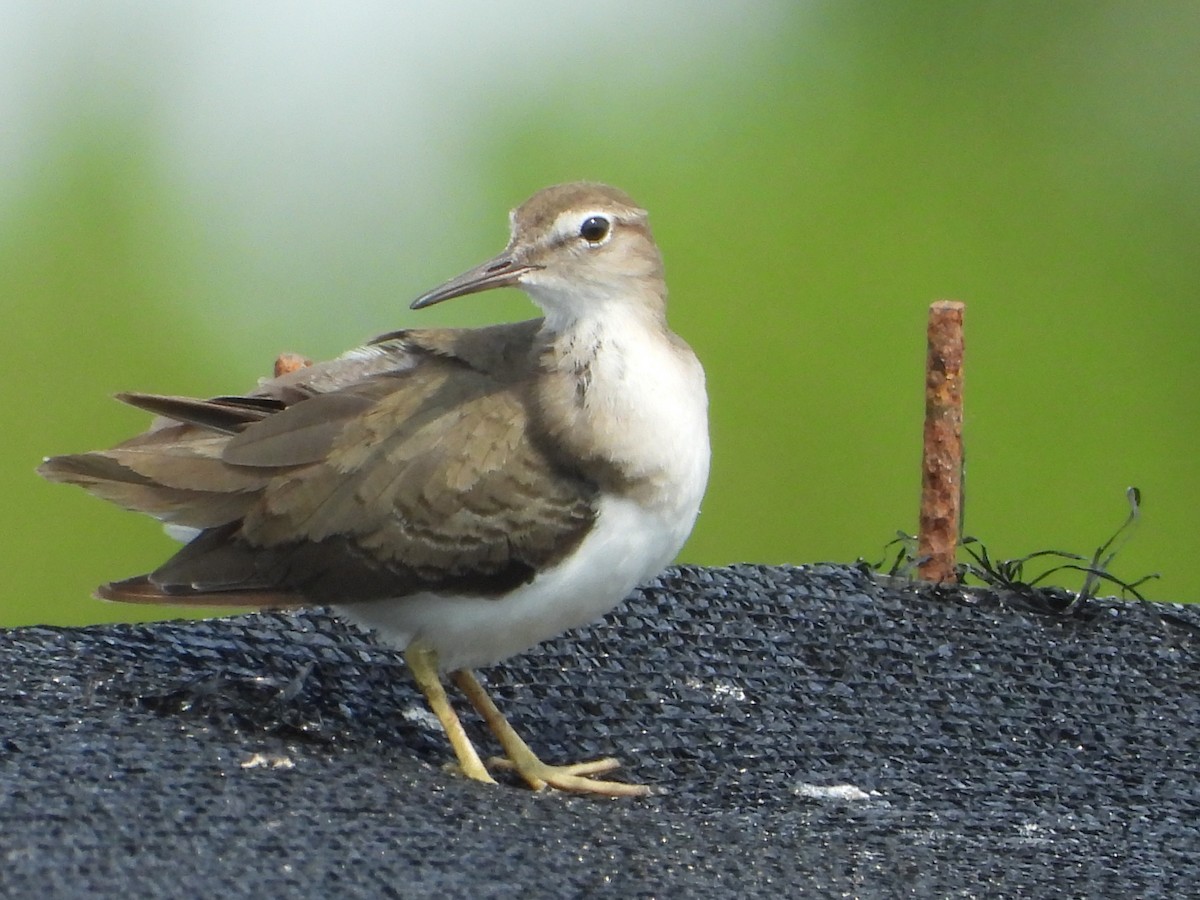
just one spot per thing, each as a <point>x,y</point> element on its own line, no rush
<point>500,271</point>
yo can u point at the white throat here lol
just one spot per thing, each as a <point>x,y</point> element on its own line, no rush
<point>638,399</point>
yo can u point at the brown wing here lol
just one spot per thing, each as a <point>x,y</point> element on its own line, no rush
<point>417,475</point>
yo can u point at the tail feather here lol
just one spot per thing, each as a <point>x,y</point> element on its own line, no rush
<point>101,474</point>
<point>87,469</point>
<point>141,589</point>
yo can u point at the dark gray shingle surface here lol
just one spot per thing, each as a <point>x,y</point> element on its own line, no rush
<point>815,733</point>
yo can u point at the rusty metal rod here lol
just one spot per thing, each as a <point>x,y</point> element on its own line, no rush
<point>942,459</point>
<point>287,363</point>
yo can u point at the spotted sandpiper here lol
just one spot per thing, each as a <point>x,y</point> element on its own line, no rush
<point>466,493</point>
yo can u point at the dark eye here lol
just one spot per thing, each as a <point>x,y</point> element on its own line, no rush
<point>594,229</point>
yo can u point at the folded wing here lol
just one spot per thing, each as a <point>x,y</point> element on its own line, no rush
<point>405,466</point>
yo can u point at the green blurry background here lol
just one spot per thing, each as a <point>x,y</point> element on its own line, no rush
<point>187,190</point>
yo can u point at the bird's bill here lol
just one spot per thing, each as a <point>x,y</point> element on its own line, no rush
<point>500,271</point>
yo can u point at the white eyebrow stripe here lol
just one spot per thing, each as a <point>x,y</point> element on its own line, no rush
<point>567,224</point>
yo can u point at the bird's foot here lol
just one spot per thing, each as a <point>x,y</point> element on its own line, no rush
<point>518,756</point>
<point>539,775</point>
<point>475,773</point>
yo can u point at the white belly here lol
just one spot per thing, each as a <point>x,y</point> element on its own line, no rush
<point>627,545</point>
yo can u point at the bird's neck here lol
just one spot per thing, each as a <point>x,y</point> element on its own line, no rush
<point>619,390</point>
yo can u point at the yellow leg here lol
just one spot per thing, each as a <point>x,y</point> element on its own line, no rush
<point>422,662</point>
<point>521,758</point>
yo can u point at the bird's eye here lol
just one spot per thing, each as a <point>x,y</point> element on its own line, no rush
<point>594,229</point>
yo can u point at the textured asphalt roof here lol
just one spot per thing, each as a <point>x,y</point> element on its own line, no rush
<point>815,733</point>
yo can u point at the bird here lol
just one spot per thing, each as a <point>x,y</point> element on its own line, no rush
<point>465,493</point>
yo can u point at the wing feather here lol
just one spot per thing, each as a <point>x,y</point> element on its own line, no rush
<point>225,414</point>
<point>405,466</point>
